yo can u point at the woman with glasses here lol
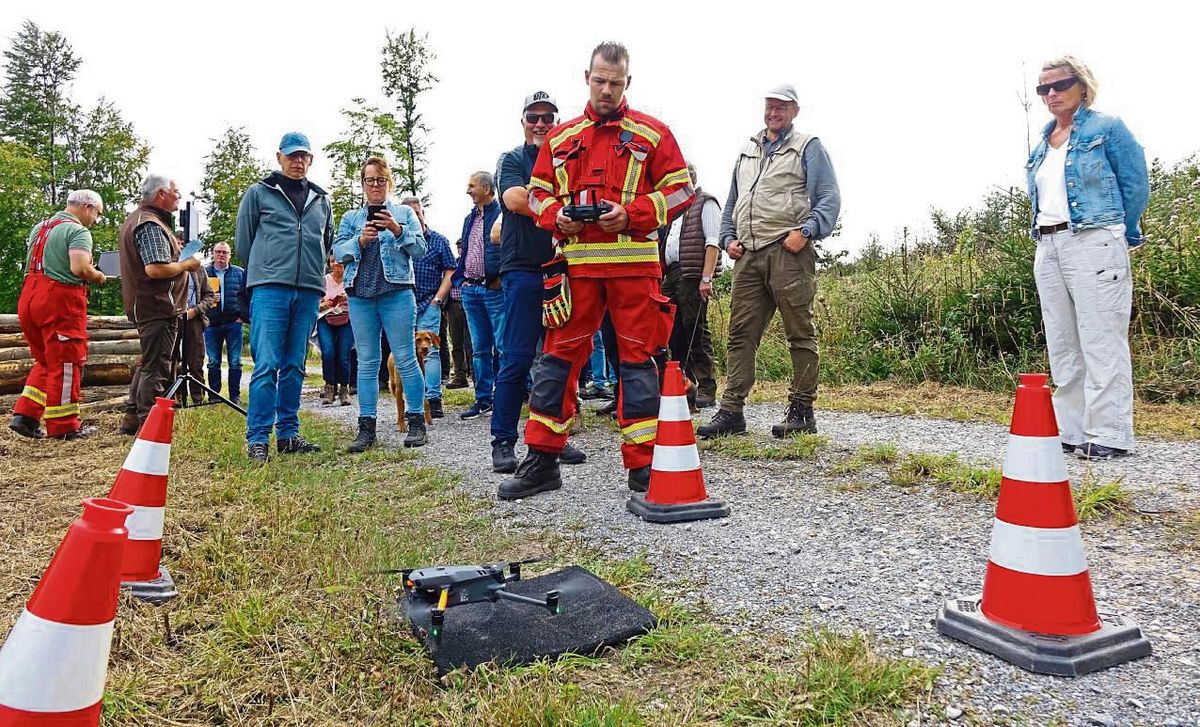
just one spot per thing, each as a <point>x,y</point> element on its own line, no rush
<point>378,255</point>
<point>1088,187</point>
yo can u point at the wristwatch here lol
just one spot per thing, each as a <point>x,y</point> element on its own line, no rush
<point>438,302</point>
<point>706,279</point>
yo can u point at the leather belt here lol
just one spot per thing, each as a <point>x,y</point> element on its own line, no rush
<point>474,281</point>
<point>1051,229</point>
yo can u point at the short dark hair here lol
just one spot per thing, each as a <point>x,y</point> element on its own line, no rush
<point>610,51</point>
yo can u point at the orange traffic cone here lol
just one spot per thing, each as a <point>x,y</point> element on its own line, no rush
<point>1037,609</point>
<point>142,483</point>
<point>676,483</point>
<point>55,660</point>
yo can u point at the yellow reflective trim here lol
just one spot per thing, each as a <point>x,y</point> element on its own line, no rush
<point>660,207</point>
<point>560,175</point>
<point>679,176</point>
<point>557,140</point>
<point>541,184</point>
<point>58,412</point>
<point>34,394</point>
<point>653,136</point>
<point>556,427</point>
<point>640,432</point>
<point>604,259</point>
<point>633,175</point>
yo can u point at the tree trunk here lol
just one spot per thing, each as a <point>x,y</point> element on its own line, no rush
<point>11,340</point>
<point>101,370</point>
<point>10,324</point>
<point>95,348</point>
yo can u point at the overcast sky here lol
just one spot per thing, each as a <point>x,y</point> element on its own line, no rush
<point>917,103</point>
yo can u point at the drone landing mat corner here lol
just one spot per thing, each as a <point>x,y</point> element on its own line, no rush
<point>594,615</point>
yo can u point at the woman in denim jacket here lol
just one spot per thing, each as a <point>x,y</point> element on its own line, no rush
<point>1088,187</point>
<point>378,256</point>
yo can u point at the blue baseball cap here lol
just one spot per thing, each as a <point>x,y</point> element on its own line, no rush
<point>294,141</point>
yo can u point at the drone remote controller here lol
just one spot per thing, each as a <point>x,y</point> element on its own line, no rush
<point>586,212</point>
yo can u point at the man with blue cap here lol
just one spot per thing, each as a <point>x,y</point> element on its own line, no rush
<point>284,235</point>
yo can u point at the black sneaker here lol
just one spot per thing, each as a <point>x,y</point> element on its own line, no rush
<point>798,418</point>
<point>79,433</point>
<point>1069,448</point>
<point>504,460</point>
<point>457,384</point>
<point>639,479</point>
<point>1093,451</point>
<point>705,401</point>
<point>571,455</point>
<point>608,410</point>
<point>435,409</point>
<point>477,410</point>
<point>592,392</point>
<point>538,473</point>
<point>417,436</point>
<point>26,426</point>
<point>257,452</point>
<point>723,423</point>
<point>296,445</point>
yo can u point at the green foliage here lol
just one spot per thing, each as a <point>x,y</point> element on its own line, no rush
<point>1095,499</point>
<point>229,170</point>
<point>405,65</point>
<point>21,203</point>
<point>369,131</point>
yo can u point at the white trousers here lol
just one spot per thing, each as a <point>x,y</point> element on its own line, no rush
<point>1086,291</point>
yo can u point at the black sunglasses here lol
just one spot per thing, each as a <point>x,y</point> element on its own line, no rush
<point>1060,86</point>
<point>532,119</point>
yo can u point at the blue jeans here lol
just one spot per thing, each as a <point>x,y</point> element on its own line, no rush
<point>395,314</point>
<point>431,320</point>
<point>336,343</point>
<point>518,347</point>
<point>601,371</point>
<point>281,320</point>
<point>485,319</point>
<point>229,336</point>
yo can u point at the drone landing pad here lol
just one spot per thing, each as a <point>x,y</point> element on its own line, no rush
<point>594,615</point>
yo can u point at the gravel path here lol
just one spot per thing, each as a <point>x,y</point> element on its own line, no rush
<point>801,549</point>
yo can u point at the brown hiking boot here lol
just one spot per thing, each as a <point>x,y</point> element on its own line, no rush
<point>327,394</point>
<point>343,395</point>
<point>129,424</point>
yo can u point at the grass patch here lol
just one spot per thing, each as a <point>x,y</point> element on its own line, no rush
<point>1095,499</point>
<point>1187,530</point>
<point>874,453</point>
<point>281,622</point>
<point>946,470</point>
<point>796,447</point>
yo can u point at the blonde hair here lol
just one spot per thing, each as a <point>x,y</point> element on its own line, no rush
<point>380,162</point>
<point>1076,68</point>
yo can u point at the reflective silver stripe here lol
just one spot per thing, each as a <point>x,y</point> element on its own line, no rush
<point>679,196</point>
<point>146,523</point>
<point>148,458</point>
<point>1034,459</point>
<point>47,666</point>
<point>674,409</point>
<point>1037,551</point>
<point>68,379</point>
<point>683,458</point>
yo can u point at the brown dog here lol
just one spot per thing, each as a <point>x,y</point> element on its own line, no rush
<point>424,341</point>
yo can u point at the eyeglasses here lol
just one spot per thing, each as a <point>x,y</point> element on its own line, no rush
<point>1060,86</point>
<point>220,252</point>
<point>375,181</point>
<point>547,118</point>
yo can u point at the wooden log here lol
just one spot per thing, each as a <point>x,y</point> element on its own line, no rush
<point>95,348</point>
<point>105,370</point>
<point>10,324</point>
<point>14,340</point>
<point>114,404</point>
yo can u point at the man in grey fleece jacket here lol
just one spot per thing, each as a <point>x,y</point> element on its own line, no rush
<point>284,235</point>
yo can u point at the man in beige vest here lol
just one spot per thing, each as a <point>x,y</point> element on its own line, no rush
<point>783,197</point>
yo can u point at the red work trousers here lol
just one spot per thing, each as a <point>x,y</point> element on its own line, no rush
<point>642,318</point>
<point>53,319</point>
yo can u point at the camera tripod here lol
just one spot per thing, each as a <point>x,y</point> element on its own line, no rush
<point>185,379</point>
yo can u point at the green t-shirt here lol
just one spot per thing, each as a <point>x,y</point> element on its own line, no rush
<point>56,259</point>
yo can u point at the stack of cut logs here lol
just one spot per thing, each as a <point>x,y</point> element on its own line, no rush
<point>113,351</point>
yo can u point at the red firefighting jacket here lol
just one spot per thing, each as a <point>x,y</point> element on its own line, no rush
<point>630,158</point>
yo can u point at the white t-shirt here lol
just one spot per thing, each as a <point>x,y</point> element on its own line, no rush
<point>1051,180</point>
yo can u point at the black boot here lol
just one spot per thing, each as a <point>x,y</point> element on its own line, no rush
<point>416,436</point>
<point>639,479</point>
<point>435,409</point>
<point>798,418</point>
<point>366,436</point>
<point>235,385</point>
<point>503,459</point>
<point>723,422</point>
<point>25,426</point>
<point>571,455</point>
<point>538,473</point>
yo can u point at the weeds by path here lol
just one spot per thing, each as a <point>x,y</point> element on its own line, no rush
<point>748,447</point>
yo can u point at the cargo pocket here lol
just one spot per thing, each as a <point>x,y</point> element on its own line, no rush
<point>1112,291</point>
<point>639,390</point>
<point>664,320</point>
<point>549,386</point>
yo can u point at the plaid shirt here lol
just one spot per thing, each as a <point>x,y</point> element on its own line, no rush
<point>152,244</point>
<point>428,271</point>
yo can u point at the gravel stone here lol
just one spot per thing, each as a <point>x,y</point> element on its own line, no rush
<point>882,558</point>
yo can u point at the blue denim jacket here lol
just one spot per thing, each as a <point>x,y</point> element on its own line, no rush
<point>1107,183</point>
<point>397,253</point>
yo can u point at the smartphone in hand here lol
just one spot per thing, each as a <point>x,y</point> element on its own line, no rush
<point>371,210</point>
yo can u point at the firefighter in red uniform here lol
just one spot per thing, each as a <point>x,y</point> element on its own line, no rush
<point>53,314</point>
<point>622,158</point>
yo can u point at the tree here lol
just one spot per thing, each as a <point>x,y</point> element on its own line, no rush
<point>36,109</point>
<point>21,206</point>
<point>229,170</point>
<point>368,131</point>
<point>405,65</point>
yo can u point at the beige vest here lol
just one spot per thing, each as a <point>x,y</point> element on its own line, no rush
<point>772,196</point>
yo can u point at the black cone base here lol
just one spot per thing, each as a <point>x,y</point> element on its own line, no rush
<point>1117,641</point>
<point>158,591</point>
<point>656,513</point>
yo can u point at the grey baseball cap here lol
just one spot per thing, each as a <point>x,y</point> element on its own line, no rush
<point>786,92</point>
<point>539,97</point>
